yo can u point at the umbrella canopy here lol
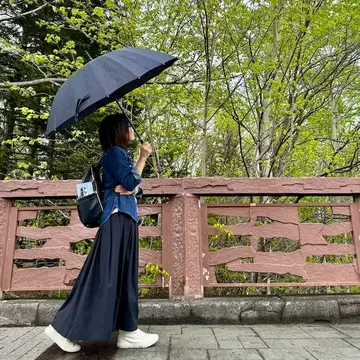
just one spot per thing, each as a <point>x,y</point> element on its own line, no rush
<point>102,81</point>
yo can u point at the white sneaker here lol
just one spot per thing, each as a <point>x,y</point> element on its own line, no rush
<point>136,339</point>
<point>65,344</point>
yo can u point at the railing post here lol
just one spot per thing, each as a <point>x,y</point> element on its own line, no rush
<point>185,240</point>
<point>5,210</point>
<point>355,220</point>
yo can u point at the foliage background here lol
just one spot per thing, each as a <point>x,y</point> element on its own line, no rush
<point>262,88</point>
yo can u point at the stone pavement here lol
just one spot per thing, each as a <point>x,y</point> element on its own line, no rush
<point>191,342</point>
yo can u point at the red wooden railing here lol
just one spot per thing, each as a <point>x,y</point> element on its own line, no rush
<point>57,242</point>
<point>185,231</point>
<point>285,224</point>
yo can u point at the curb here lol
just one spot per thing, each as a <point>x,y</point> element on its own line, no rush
<point>246,310</point>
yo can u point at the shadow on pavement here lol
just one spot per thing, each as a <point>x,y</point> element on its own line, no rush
<point>96,350</point>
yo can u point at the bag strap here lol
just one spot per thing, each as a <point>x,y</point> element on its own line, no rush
<point>92,167</point>
<point>99,162</point>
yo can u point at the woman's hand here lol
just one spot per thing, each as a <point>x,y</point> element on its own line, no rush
<point>122,191</point>
<point>145,150</point>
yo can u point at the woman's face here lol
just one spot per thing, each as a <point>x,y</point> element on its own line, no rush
<point>131,134</point>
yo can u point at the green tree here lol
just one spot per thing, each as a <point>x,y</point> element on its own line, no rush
<point>259,85</point>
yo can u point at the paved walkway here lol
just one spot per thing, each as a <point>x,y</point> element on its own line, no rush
<point>187,342</point>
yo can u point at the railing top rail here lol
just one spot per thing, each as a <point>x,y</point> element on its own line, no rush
<point>26,189</point>
<point>275,205</point>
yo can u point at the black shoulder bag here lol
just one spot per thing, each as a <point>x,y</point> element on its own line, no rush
<point>90,203</point>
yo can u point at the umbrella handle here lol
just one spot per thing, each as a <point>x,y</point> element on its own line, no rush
<point>132,125</point>
<point>136,132</point>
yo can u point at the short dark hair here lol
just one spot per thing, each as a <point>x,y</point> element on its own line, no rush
<point>114,131</point>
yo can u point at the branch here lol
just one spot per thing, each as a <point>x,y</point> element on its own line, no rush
<point>191,81</point>
<point>34,11</point>
<point>353,165</point>
<point>237,85</point>
<point>55,81</point>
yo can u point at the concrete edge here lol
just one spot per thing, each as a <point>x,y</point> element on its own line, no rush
<point>246,310</point>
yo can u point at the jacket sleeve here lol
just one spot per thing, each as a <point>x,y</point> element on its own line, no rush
<point>122,168</point>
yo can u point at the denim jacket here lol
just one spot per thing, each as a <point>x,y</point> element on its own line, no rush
<point>118,169</point>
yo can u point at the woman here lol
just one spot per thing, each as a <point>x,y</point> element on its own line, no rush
<point>105,295</point>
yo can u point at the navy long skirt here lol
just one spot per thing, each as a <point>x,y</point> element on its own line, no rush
<point>105,295</point>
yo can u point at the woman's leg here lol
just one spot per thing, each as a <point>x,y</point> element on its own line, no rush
<point>127,322</point>
<point>129,301</point>
<point>91,311</point>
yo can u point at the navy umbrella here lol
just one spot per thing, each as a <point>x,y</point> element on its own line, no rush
<point>102,81</point>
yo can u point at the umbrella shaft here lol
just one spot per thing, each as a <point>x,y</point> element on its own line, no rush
<point>132,125</point>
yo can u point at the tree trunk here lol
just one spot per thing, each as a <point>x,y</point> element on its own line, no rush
<point>9,127</point>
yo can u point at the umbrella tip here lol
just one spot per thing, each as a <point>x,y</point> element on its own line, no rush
<point>88,55</point>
